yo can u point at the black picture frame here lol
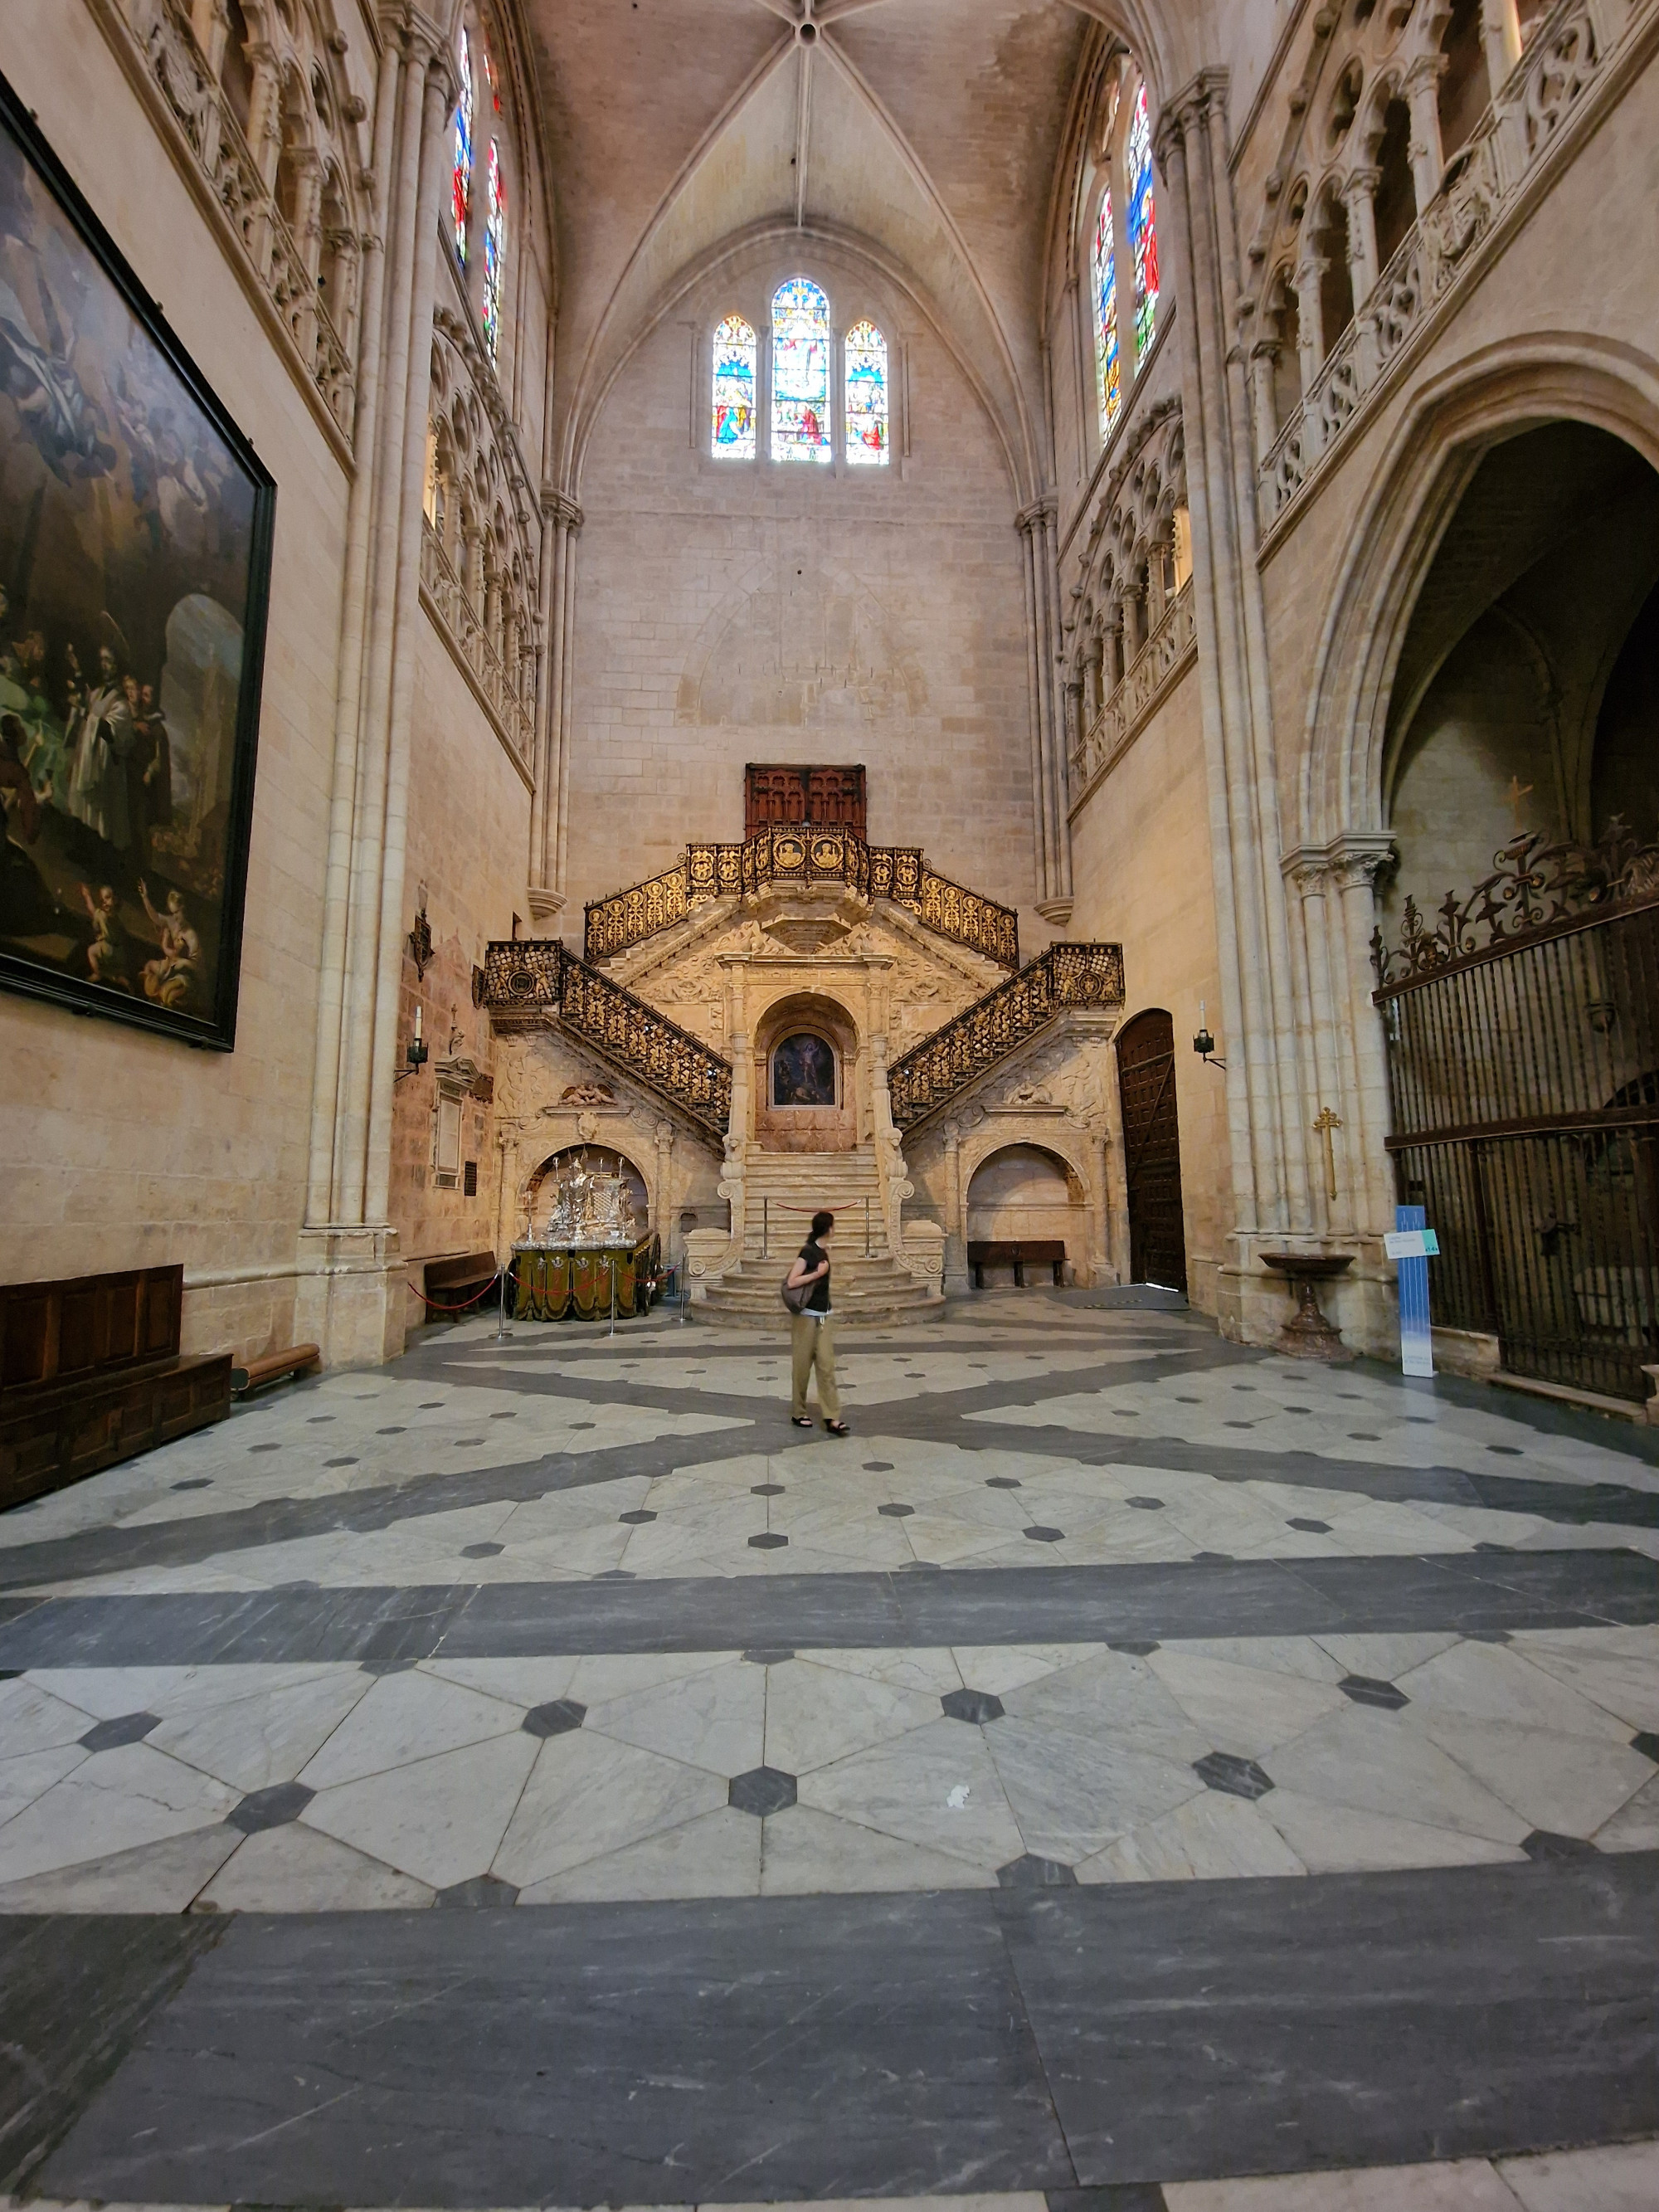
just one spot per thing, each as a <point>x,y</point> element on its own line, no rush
<point>153,427</point>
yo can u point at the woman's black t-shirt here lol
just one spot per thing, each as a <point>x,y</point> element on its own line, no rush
<point>814,1256</point>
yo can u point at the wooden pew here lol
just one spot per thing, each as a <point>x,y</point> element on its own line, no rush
<point>452,1282</point>
<point>91,1373</point>
<point>273,1366</point>
<point>1039,1252</point>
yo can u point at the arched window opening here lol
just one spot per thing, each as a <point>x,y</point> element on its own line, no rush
<point>1182,540</point>
<point>1286,317</point>
<point>1143,225</point>
<point>1345,101</point>
<point>336,279</point>
<point>235,75</point>
<point>1335,280</point>
<point>1465,90</point>
<point>800,373</point>
<point>1396,196</point>
<point>1108,380</point>
<point>461,168</point>
<point>494,251</point>
<point>863,382</point>
<point>736,351</point>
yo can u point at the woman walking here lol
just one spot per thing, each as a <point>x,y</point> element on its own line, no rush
<point>813,1331</point>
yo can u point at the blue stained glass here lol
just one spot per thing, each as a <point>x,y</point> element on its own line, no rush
<point>1143,225</point>
<point>495,252</point>
<point>461,171</point>
<point>800,373</point>
<point>733,427</point>
<point>1107,376</point>
<point>866,401</point>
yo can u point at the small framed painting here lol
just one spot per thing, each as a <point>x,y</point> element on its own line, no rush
<point>135,563</point>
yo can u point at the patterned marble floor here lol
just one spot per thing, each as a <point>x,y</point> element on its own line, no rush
<point>1090,1601</point>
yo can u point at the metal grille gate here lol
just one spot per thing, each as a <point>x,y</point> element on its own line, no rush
<point>1525,1086</point>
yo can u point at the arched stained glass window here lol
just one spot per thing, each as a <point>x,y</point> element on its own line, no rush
<point>1143,225</point>
<point>461,178</point>
<point>864,386</point>
<point>1107,377</point>
<point>495,252</point>
<point>800,373</point>
<point>736,351</point>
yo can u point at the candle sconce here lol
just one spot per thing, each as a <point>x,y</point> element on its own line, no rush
<point>415,1052</point>
<point>1204,1043</point>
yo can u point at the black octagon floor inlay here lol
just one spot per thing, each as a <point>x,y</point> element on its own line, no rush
<point>637,1518</point>
<point>482,1551</point>
<point>1234,1777</point>
<point>768,1655</point>
<point>878,1467</point>
<point>110,1735</point>
<point>762,1790</point>
<point>1002,1482</point>
<point>1145,1504</point>
<point>196,1482</point>
<point>1647,1744</point>
<point>1545,1844</point>
<point>484,1890</point>
<point>769,1541</point>
<point>558,1717</point>
<point>1034,1872</point>
<point>977,1706</point>
<point>1365,1690</point>
<point>895,1512</point>
<point>1311,1528</point>
<point>269,1808</point>
<point>767,1490</point>
<point>1041,1535</point>
<point>1134,1647</point>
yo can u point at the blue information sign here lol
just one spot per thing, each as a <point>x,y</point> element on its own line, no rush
<point>1416,1341</point>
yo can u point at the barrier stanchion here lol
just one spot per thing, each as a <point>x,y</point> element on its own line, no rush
<point>503,1334</point>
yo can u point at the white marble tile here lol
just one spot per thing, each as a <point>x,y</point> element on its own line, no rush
<point>33,1719</point>
<point>932,1672</point>
<point>254,1741</point>
<point>112,1801</point>
<point>1116,1696</point>
<point>1247,1710</point>
<point>1383,1658</point>
<point>817,1715</point>
<point>1623,1683</point>
<point>1331,1838</point>
<point>521,1682</point>
<point>158,1877</point>
<point>300,1869</point>
<point>1569,1784</point>
<point>715,1719</point>
<point>1494,1682</point>
<point>1002,1668</point>
<point>1299,1656</point>
<point>619,1674</point>
<point>715,1854</point>
<point>806,1852</point>
<point>402,1718</point>
<point>1459,2186</point>
<point>1072,1794</point>
<point>33,1773</point>
<point>1366,1760</point>
<point>1210,1838</point>
<point>439,1819</point>
<point>108,1692</point>
<point>1635,1827</point>
<point>935,1786</point>
<point>1620,2177</point>
<point>590,1795</point>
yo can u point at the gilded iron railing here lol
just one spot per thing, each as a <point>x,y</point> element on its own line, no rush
<point>993,1026</point>
<point>525,982</point>
<point>788,853</point>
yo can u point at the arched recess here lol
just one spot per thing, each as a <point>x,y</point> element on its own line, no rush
<point>1024,1193</point>
<point>1151,1149</point>
<point>792,1078</point>
<point>1431,458</point>
<point>598,1159</point>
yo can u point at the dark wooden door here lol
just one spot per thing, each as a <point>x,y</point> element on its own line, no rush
<point>774,793</point>
<point>1151,1149</point>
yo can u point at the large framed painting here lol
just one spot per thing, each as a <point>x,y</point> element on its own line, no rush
<point>135,556</point>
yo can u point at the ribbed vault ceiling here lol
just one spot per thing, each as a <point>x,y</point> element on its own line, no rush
<point>923,133</point>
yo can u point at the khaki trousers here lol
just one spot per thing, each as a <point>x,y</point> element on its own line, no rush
<point>813,1345</point>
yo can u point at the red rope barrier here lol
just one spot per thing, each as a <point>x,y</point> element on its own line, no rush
<point>436,1307</point>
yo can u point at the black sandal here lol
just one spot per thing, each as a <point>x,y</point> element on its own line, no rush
<point>800,1420</point>
<point>837,1428</point>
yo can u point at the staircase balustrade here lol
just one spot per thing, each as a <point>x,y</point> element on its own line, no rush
<point>802,853</point>
<point>525,982</point>
<point>943,1064</point>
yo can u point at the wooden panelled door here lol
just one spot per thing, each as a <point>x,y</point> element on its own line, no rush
<point>1151,1149</point>
<point>772,793</point>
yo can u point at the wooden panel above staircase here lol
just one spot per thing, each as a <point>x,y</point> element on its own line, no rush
<point>832,796</point>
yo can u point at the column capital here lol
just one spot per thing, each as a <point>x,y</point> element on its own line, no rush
<point>1038,511</point>
<point>558,507</point>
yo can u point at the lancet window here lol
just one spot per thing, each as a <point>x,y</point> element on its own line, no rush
<point>461,165</point>
<point>495,252</point>
<point>864,385</point>
<point>1108,371</point>
<point>1143,225</point>
<point>732,424</point>
<point>800,373</point>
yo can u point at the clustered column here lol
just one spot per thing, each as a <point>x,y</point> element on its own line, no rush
<point>1048,766</point>
<point>561,520</point>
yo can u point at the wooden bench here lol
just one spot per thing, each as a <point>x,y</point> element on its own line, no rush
<point>91,1373</point>
<point>273,1366</point>
<point>1037,1252</point>
<point>452,1282</point>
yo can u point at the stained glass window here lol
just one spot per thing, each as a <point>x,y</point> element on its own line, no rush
<point>800,373</point>
<point>462,176</point>
<point>1143,225</point>
<point>864,385</point>
<point>495,252</point>
<point>735,354</point>
<point>1107,375</point>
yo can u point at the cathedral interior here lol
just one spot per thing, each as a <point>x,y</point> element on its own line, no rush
<point>1033,624</point>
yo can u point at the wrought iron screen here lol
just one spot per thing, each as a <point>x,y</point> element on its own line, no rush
<point>1524,1076</point>
<point>933,1071</point>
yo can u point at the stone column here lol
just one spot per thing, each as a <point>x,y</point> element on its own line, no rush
<point>1422,83</point>
<point>1052,837</point>
<point>1094,675</point>
<point>666,1224</point>
<point>1359,196</point>
<point>957,1279</point>
<point>1309,318</point>
<point>1500,30</point>
<point>1264,363</point>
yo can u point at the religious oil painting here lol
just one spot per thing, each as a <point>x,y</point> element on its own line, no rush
<point>804,1073</point>
<point>135,540</point>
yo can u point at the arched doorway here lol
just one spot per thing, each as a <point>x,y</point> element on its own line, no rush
<point>600,1161</point>
<point>1022,1197</point>
<point>1151,1149</point>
